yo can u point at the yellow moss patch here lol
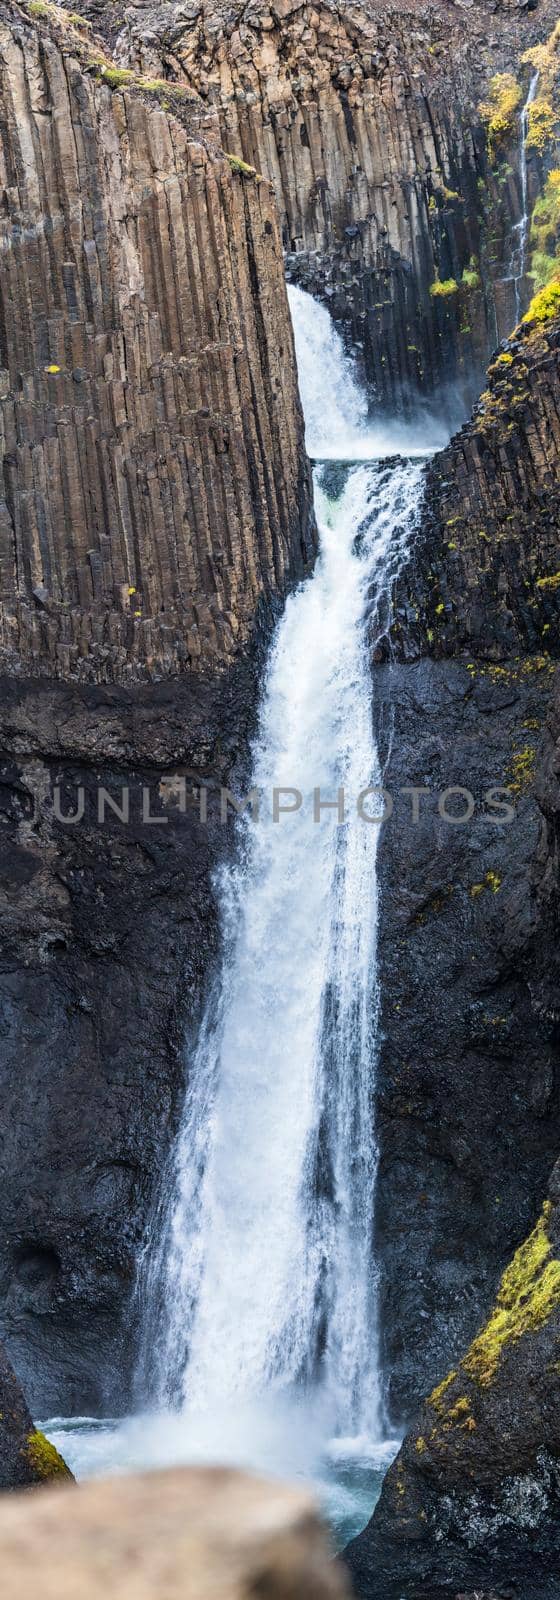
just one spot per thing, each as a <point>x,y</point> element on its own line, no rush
<point>528,1294</point>
<point>545,305</point>
<point>549,583</point>
<point>522,770</point>
<point>442,288</point>
<point>436,1396</point>
<point>44,1459</point>
<point>420,1445</point>
<point>237,165</point>
<point>542,124</point>
<point>499,112</point>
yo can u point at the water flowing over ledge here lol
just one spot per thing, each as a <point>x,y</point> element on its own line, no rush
<point>261,1345</point>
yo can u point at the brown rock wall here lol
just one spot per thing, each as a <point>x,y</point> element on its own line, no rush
<point>155,486</point>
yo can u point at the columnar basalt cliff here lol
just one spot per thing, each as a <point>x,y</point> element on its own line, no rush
<point>156,507</point>
<point>484,573</point>
<point>394,203</point>
<point>155,482</point>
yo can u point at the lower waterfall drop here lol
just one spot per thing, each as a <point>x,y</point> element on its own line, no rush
<point>270,1282</point>
<point>259,1291</point>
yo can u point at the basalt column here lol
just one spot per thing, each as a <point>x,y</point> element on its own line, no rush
<point>155,507</point>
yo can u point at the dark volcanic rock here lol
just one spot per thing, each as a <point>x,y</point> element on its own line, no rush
<point>468,1081</point>
<point>109,933</point>
<point>26,1457</point>
<point>472,1503</point>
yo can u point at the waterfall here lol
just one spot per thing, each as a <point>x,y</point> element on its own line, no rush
<point>267,1255</point>
<point>520,231</point>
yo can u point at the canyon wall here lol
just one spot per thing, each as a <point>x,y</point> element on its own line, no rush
<point>156,505</point>
<point>394,206</point>
<point>468,1080</point>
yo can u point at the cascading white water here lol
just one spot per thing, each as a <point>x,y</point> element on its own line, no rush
<point>262,1280</point>
<point>269,1270</point>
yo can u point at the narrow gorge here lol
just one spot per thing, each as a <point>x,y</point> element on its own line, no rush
<point>279,624</point>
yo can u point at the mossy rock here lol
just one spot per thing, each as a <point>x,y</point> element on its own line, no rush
<point>27,1457</point>
<point>44,1459</point>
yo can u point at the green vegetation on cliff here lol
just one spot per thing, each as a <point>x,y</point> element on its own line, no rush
<point>499,112</point>
<point>545,305</point>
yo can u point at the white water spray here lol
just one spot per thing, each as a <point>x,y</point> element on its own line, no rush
<point>269,1275</point>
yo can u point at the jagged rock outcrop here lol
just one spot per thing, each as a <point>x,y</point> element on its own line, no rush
<point>366,119</point>
<point>472,1502</point>
<point>155,484</point>
<point>26,1456</point>
<point>156,506</point>
<point>484,573</point>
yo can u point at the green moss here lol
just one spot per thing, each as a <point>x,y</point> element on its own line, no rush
<point>44,1459</point>
<point>470,276</point>
<point>116,77</point>
<point>160,86</point>
<point>441,288</point>
<point>545,305</point>
<point>499,112</point>
<point>528,1294</point>
<point>237,165</point>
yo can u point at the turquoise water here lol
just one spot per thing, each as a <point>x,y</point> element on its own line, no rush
<point>346,1479</point>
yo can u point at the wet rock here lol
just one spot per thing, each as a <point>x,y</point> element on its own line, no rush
<point>26,1456</point>
<point>472,1501</point>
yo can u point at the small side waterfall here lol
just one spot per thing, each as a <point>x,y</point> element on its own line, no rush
<point>520,231</point>
<point>265,1267</point>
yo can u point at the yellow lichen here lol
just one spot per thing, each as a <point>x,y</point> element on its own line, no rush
<point>522,770</point>
<point>528,1294</point>
<point>437,1394</point>
<point>553,582</point>
<point>420,1445</point>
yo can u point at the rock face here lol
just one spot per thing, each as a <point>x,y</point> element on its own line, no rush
<point>26,1457</point>
<point>472,1502</point>
<point>366,119</point>
<point>156,489</point>
<point>484,574</point>
<point>180,1535</point>
<point>157,505</point>
<point>468,1083</point>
